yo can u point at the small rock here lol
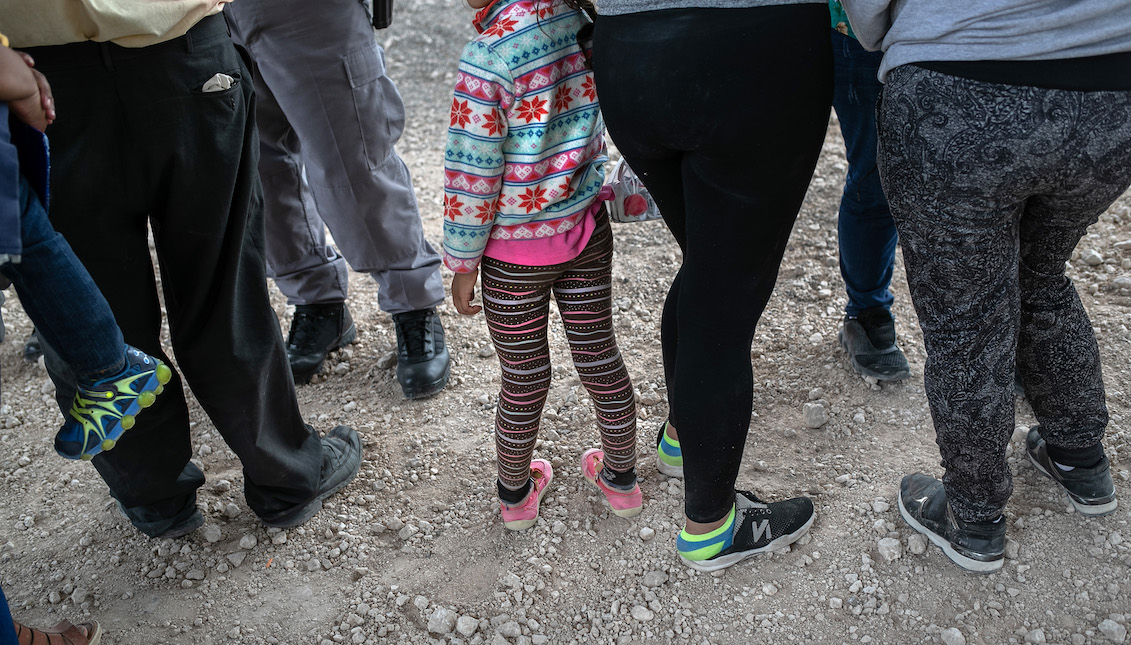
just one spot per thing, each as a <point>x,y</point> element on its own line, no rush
<point>407,532</point>
<point>816,393</point>
<point>237,558</point>
<point>558,528</point>
<point>1012,548</point>
<point>1114,632</point>
<point>951,636</point>
<point>313,564</point>
<point>54,597</point>
<point>815,415</point>
<point>195,574</point>
<point>212,533</point>
<point>387,360</point>
<point>654,578</point>
<point>344,368</point>
<point>1035,636</point>
<point>890,549</point>
<point>279,538</point>
<point>917,544</point>
<point>647,533</point>
<point>420,602</point>
<point>222,486</point>
<point>486,351</point>
<point>642,613</point>
<point>467,625</point>
<point>769,589</point>
<point>442,621</point>
<point>79,596</point>
<point>880,506</point>
<point>231,511</point>
<point>510,629</point>
<point>835,603</point>
<point>248,541</point>
<point>1092,258</point>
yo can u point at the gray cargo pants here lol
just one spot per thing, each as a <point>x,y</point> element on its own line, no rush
<point>326,105</point>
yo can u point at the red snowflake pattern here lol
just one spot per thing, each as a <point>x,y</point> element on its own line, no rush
<point>461,113</point>
<point>501,26</point>
<point>493,122</point>
<point>452,206</point>
<point>589,88</point>
<point>486,212</point>
<point>562,99</point>
<point>533,199</point>
<point>533,109</point>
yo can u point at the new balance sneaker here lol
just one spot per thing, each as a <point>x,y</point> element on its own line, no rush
<point>106,408</point>
<point>631,201</point>
<point>974,546</point>
<point>869,339</point>
<point>752,527</point>
<point>1090,490</point>
<point>669,456</point>
<point>523,515</point>
<point>624,503</point>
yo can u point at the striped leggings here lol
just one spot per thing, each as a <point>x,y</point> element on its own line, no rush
<point>517,304</point>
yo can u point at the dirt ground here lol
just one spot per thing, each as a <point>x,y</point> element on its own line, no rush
<point>413,551</point>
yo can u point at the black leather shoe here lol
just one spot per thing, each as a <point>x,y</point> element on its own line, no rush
<point>423,363</point>
<point>341,459</point>
<point>974,546</point>
<point>316,331</point>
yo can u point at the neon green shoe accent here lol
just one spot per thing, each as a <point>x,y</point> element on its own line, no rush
<point>127,422</point>
<point>108,444</point>
<point>164,375</point>
<point>708,545</point>
<point>146,399</point>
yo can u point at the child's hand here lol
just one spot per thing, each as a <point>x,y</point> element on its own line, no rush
<point>463,292</point>
<point>36,108</point>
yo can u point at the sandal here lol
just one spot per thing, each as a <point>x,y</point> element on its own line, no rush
<point>62,634</point>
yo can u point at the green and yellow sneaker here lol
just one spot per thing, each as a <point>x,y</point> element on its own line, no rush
<point>106,408</point>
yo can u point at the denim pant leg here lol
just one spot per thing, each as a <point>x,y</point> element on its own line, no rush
<point>68,311</point>
<point>864,227</point>
<point>7,627</point>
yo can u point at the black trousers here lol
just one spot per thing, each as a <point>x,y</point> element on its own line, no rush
<point>138,143</point>
<point>722,113</point>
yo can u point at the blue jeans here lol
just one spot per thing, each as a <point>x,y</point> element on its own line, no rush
<point>7,627</point>
<point>61,299</point>
<point>865,227</point>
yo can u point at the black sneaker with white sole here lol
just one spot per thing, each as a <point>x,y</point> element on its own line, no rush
<point>759,527</point>
<point>974,546</point>
<point>1091,490</point>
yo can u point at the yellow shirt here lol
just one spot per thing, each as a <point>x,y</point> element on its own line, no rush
<point>129,23</point>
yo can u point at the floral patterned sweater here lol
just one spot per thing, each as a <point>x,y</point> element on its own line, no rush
<point>525,152</point>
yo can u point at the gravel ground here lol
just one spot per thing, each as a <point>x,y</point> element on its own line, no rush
<point>413,551</point>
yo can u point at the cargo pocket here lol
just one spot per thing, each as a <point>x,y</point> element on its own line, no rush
<point>377,104</point>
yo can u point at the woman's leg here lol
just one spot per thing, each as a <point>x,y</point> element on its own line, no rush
<point>585,296</point>
<point>704,133</point>
<point>516,301</point>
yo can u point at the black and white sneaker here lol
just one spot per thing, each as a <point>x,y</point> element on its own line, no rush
<point>759,527</point>
<point>1091,490</point>
<point>974,546</point>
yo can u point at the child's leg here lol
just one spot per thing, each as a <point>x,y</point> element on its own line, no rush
<point>61,299</point>
<point>516,300</point>
<point>584,295</point>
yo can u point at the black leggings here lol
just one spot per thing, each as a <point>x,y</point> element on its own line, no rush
<point>722,113</point>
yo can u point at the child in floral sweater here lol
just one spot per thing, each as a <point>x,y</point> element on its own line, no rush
<point>524,202</point>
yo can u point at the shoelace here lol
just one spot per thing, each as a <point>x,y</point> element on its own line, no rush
<point>416,331</point>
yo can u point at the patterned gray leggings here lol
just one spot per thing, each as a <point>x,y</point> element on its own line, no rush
<point>991,187</point>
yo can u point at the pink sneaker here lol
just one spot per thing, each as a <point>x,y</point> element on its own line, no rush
<point>622,503</point>
<point>517,518</point>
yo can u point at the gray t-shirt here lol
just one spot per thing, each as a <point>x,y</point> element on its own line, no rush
<point>912,31</point>
<point>619,7</point>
